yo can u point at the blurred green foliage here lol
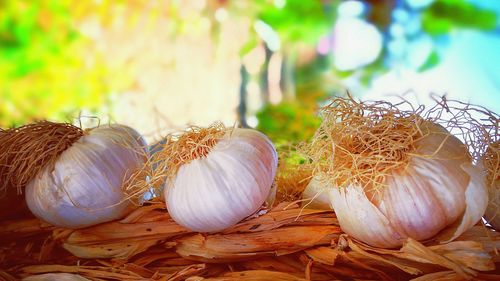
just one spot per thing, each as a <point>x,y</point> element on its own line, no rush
<point>296,120</point>
<point>299,23</point>
<point>45,70</point>
<point>298,20</point>
<point>289,121</point>
<point>445,15</point>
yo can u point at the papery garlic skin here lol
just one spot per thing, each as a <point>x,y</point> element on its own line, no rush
<point>316,194</point>
<point>438,193</point>
<point>232,182</point>
<point>84,186</point>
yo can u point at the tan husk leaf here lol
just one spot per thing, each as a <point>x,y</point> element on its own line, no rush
<point>255,275</point>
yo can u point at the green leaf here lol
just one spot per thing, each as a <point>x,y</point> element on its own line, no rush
<point>249,46</point>
<point>432,61</point>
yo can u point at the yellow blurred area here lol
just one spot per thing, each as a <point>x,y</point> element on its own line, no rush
<point>153,65</point>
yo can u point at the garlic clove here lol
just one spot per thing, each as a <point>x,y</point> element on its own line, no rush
<point>315,196</point>
<point>476,197</point>
<point>422,199</point>
<point>361,219</point>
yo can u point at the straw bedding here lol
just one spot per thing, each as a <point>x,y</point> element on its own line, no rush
<point>284,242</point>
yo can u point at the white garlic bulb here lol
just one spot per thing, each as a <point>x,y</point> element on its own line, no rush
<point>84,186</point>
<point>438,193</point>
<point>230,183</point>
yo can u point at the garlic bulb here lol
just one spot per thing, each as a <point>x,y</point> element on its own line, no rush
<point>230,182</point>
<point>439,193</point>
<point>315,196</point>
<point>394,174</point>
<point>84,185</point>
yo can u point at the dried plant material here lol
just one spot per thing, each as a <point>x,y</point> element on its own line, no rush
<point>123,240</point>
<point>6,276</point>
<point>254,275</point>
<point>476,126</point>
<point>56,276</point>
<point>279,217</point>
<point>26,150</point>
<point>362,143</point>
<point>324,255</point>
<point>187,272</point>
<point>470,254</point>
<point>490,240</point>
<point>292,241</point>
<point>194,143</point>
<point>293,175</point>
<point>174,151</point>
<point>288,264</point>
<point>491,162</point>
<point>20,228</point>
<point>453,276</point>
<point>86,271</point>
<point>463,257</point>
<point>408,269</point>
<point>441,276</point>
<point>284,240</point>
<point>150,225</point>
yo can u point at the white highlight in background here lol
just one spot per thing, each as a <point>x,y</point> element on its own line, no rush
<point>356,43</point>
<point>274,78</point>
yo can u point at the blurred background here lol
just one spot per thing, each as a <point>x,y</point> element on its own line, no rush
<point>268,64</point>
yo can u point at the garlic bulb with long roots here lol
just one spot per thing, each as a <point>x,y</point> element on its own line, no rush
<point>215,177</point>
<point>395,175</point>
<point>74,178</point>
